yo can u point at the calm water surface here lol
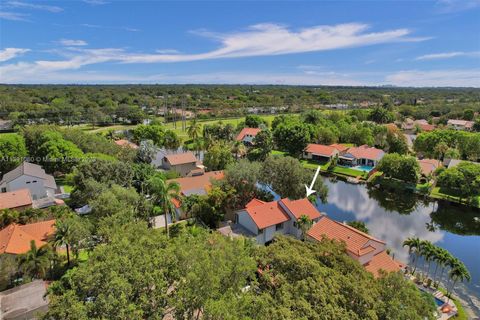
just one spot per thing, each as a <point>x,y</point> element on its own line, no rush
<point>393,217</point>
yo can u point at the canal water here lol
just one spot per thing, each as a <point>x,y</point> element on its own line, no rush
<point>393,217</point>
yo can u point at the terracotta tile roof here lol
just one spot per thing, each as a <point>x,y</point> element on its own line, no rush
<point>339,147</point>
<point>382,261</point>
<point>126,143</point>
<point>366,152</point>
<point>426,127</point>
<point>254,202</point>
<point>15,199</point>
<point>181,158</point>
<point>177,203</point>
<point>320,149</point>
<point>247,131</point>
<point>427,166</point>
<point>198,184</point>
<point>266,214</point>
<point>356,242</point>
<point>15,238</point>
<point>301,207</point>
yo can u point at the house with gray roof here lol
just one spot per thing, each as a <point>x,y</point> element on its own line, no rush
<point>32,177</point>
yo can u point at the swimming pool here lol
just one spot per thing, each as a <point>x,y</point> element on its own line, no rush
<point>363,168</point>
<point>439,302</point>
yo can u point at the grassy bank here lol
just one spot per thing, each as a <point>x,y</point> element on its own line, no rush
<point>438,193</point>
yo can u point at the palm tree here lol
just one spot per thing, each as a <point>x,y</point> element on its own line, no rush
<point>62,236</point>
<point>429,252</point>
<point>458,273</point>
<point>444,260</point>
<point>414,245</point>
<point>162,194</point>
<point>239,149</point>
<point>36,261</point>
<point>304,224</point>
<point>193,130</point>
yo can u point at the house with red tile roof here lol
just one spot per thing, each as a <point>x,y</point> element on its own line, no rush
<point>428,166</point>
<point>126,143</point>
<point>367,250</point>
<point>247,135</point>
<point>361,156</point>
<point>16,238</point>
<point>198,185</point>
<point>341,148</point>
<point>265,219</point>
<point>319,152</point>
<point>185,164</point>
<point>16,200</point>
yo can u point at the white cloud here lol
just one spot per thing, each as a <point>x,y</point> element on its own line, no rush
<point>258,40</point>
<point>435,78</point>
<point>13,16</point>
<point>10,53</point>
<point>274,39</point>
<point>97,26</point>
<point>452,6</point>
<point>71,42</point>
<point>19,4</point>
<point>448,55</point>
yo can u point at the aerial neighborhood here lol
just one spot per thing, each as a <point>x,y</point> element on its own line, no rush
<point>277,181</point>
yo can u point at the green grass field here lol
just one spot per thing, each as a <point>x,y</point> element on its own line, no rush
<point>349,172</point>
<point>234,121</point>
<point>438,194</point>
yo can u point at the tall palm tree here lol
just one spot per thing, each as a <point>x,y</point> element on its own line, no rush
<point>193,130</point>
<point>62,236</point>
<point>36,261</point>
<point>414,245</point>
<point>444,260</point>
<point>162,194</point>
<point>429,254</point>
<point>304,224</point>
<point>458,273</point>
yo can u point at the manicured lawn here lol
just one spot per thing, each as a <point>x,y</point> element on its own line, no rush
<point>349,172</point>
<point>233,121</point>
<point>310,164</point>
<point>439,193</point>
<point>279,153</point>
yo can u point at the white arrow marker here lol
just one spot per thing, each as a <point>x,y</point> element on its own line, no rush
<point>310,189</point>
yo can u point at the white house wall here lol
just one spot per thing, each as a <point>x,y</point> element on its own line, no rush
<point>37,189</point>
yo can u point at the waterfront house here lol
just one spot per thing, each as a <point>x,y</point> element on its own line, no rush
<point>15,238</point>
<point>185,164</point>
<point>428,166</point>
<point>367,250</point>
<point>32,177</point>
<point>341,148</point>
<point>361,156</point>
<point>319,152</point>
<point>262,220</point>
<point>247,135</point>
<point>460,124</point>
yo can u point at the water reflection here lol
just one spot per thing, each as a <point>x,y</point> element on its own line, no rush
<point>393,217</point>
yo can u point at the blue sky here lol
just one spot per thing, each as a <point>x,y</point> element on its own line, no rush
<point>402,43</point>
